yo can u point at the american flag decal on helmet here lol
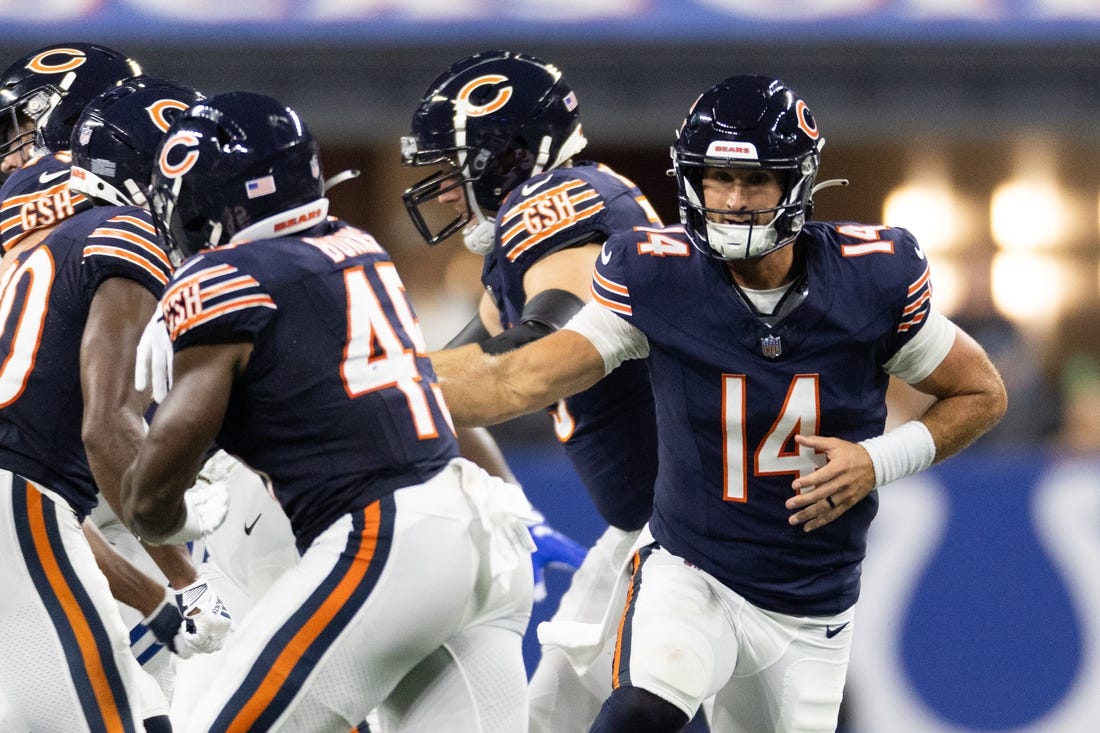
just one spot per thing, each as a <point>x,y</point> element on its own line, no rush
<point>771,346</point>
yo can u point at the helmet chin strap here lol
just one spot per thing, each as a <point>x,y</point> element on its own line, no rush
<point>478,234</point>
<point>736,241</point>
<point>741,241</point>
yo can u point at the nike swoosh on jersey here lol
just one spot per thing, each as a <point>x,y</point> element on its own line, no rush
<point>605,256</point>
<point>249,527</point>
<point>530,188</point>
<point>49,176</point>
<point>830,632</point>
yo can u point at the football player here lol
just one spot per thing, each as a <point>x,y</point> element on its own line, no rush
<point>770,340</point>
<point>74,280</point>
<point>501,130</point>
<point>297,350</point>
<point>113,145</point>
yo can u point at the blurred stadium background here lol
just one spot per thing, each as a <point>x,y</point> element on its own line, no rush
<point>974,123</point>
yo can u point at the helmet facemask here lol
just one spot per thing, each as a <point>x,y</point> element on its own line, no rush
<point>19,120</point>
<point>498,118</point>
<point>430,221</point>
<point>767,230</point>
<point>747,123</point>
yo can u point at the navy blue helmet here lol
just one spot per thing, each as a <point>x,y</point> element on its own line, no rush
<point>235,164</point>
<point>48,89</point>
<point>115,140</point>
<point>747,122</point>
<point>491,121</point>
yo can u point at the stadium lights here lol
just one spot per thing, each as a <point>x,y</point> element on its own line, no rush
<point>929,209</point>
<point>1029,215</point>
<point>1035,289</point>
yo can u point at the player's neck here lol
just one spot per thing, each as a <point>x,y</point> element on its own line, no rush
<point>764,273</point>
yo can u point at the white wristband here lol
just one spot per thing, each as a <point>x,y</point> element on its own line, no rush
<point>903,451</point>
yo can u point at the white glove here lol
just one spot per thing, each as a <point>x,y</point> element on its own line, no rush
<point>207,501</point>
<point>206,620</point>
<point>154,358</point>
<point>216,469</point>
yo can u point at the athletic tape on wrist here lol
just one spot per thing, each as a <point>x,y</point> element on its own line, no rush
<point>905,450</point>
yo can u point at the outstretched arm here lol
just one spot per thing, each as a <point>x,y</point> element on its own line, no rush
<point>485,389</point>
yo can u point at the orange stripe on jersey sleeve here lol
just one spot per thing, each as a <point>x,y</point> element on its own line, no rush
<point>611,287</point>
<point>135,222</point>
<point>125,254</point>
<point>89,653</point>
<point>920,281</point>
<point>197,278</point>
<point>20,200</point>
<point>144,243</point>
<point>916,304</point>
<point>626,310</point>
<point>312,628</point>
<point>228,286</point>
<point>551,231</point>
<point>230,306</point>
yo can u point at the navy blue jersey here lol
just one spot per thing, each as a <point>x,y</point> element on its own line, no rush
<point>608,431</point>
<point>37,196</point>
<point>339,404</point>
<point>45,293</point>
<point>732,392</point>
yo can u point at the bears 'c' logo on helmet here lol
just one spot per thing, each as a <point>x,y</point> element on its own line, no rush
<point>188,141</point>
<point>158,112</point>
<point>480,110</point>
<point>806,121</point>
<point>70,58</point>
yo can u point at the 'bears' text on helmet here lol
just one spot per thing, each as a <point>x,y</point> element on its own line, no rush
<point>115,140</point>
<point>234,167</point>
<point>43,93</point>
<point>747,122</point>
<point>491,121</point>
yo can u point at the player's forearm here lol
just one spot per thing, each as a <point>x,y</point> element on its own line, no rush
<point>972,398</point>
<point>472,386</point>
<point>482,389</point>
<point>958,421</point>
<point>153,507</point>
<point>111,443</point>
<point>128,584</point>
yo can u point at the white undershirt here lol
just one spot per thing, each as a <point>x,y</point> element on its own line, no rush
<point>764,301</point>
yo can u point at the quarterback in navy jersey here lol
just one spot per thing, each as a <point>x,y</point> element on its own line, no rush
<point>770,341</point>
<point>297,350</point>
<point>503,128</point>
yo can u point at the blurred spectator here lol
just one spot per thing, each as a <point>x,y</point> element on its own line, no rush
<point>1074,365</point>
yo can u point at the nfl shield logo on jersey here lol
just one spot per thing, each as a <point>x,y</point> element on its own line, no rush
<point>771,346</point>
